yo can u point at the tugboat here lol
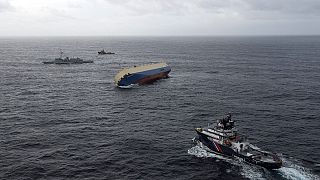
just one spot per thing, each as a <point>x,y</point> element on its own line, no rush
<point>103,52</point>
<point>223,139</point>
<point>66,60</point>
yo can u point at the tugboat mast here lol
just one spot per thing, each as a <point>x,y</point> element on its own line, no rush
<point>61,53</point>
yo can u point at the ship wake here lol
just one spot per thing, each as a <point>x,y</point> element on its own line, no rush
<point>295,171</point>
<point>290,170</point>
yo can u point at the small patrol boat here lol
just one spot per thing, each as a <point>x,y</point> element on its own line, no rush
<point>141,74</point>
<point>223,139</point>
<point>103,52</point>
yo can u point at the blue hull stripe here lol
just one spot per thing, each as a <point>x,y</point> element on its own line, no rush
<point>134,78</point>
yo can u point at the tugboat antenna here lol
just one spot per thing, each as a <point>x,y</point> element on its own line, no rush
<point>61,53</point>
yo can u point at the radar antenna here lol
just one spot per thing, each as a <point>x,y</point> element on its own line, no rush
<point>61,53</point>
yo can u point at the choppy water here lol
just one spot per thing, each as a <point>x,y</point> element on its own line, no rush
<point>70,122</point>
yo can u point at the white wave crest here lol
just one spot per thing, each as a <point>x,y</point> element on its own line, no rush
<point>293,171</point>
<point>127,87</point>
<point>198,152</point>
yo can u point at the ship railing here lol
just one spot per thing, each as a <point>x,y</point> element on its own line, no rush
<point>238,138</point>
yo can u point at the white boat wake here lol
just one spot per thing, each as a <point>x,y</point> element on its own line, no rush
<point>127,87</point>
<point>289,171</point>
<point>295,172</point>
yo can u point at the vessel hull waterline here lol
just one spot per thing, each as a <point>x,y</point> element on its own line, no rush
<point>142,75</point>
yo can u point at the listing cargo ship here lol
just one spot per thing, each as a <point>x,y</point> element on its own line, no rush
<point>223,139</point>
<point>141,74</point>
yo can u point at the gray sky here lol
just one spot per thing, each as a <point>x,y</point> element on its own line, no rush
<point>158,17</point>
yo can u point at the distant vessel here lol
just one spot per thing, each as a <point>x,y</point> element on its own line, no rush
<point>104,52</point>
<point>223,139</point>
<point>141,74</point>
<point>67,60</point>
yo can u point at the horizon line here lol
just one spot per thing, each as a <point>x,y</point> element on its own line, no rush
<point>245,35</point>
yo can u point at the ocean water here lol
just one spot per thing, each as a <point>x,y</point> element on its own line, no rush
<point>71,122</point>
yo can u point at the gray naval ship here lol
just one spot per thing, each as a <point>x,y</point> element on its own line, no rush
<point>67,60</point>
<point>103,52</point>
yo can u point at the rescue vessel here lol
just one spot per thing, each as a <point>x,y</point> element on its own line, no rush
<point>141,74</point>
<point>223,139</point>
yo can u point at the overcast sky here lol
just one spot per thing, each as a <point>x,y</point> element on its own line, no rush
<point>158,17</point>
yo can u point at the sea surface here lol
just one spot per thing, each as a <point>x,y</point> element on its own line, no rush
<point>71,122</point>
